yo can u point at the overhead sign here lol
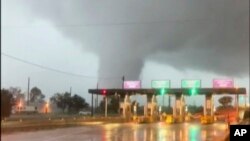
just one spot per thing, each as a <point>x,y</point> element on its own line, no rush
<point>223,83</point>
<point>132,84</point>
<point>160,84</point>
<point>191,83</point>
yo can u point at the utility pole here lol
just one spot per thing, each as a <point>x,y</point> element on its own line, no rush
<point>70,91</point>
<point>237,104</point>
<point>119,98</point>
<point>106,106</point>
<point>95,109</point>
<point>97,97</point>
<point>28,91</point>
<point>97,94</point>
<point>92,106</point>
<point>123,79</point>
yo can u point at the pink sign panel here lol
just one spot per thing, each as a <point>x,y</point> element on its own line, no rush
<point>223,83</point>
<point>132,84</point>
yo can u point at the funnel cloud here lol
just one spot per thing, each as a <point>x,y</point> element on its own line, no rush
<point>209,36</point>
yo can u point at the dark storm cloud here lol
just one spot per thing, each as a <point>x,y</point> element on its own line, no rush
<point>206,35</point>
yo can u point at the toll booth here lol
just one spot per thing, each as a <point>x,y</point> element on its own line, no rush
<point>125,106</point>
<point>178,111</point>
<point>179,106</point>
<point>209,105</point>
<point>208,112</point>
<point>151,108</point>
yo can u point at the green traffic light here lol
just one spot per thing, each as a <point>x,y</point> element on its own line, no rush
<point>162,91</point>
<point>193,91</point>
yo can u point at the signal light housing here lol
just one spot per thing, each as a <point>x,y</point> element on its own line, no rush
<point>162,91</point>
<point>193,91</point>
<point>104,92</point>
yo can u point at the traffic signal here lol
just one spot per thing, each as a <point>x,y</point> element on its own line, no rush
<point>162,91</point>
<point>104,92</point>
<point>193,91</point>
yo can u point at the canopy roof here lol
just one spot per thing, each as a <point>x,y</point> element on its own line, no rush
<point>175,91</point>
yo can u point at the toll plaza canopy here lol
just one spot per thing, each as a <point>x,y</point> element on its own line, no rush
<point>176,91</point>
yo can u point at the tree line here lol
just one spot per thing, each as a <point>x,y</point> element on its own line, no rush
<point>74,103</point>
<point>68,103</point>
<point>12,97</point>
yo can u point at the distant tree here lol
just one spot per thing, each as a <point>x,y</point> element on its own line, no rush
<point>15,91</point>
<point>77,103</point>
<point>6,103</point>
<point>167,109</point>
<point>225,101</point>
<point>199,109</point>
<point>102,105</point>
<point>195,109</point>
<point>140,110</point>
<point>17,94</point>
<point>36,95</point>
<point>62,100</point>
<point>113,104</point>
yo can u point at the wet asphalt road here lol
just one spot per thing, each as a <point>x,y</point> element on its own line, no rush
<point>126,132</point>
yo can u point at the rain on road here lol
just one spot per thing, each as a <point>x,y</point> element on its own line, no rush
<point>125,132</point>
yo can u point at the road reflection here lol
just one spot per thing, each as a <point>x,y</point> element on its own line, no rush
<point>162,132</point>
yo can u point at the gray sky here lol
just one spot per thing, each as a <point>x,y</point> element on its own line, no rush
<point>168,39</point>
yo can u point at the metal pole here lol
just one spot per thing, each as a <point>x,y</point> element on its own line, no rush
<point>70,90</point>
<point>181,105</point>
<point>205,107</point>
<point>92,106</point>
<point>123,79</point>
<point>237,104</point>
<point>245,101</point>
<point>95,107</point>
<point>249,104</point>
<point>106,106</point>
<point>235,100</point>
<point>147,105</point>
<point>237,117</point>
<point>97,97</point>
<point>212,106</point>
<point>96,102</point>
<point>28,91</point>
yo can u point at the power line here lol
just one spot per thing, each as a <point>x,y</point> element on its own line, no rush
<point>55,70</point>
<point>132,23</point>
